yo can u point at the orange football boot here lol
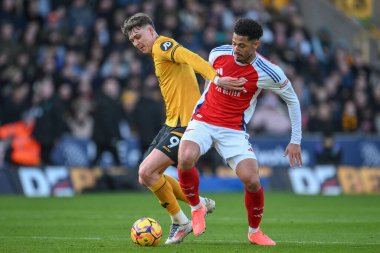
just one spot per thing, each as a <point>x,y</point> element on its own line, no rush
<point>198,219</point>
<point>260,238</point>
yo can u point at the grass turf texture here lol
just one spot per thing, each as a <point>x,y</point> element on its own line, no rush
<point>101,223</point>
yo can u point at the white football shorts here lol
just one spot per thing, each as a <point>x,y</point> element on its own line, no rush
<point>232,145</point>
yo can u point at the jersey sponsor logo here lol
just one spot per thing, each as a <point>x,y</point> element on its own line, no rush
<point>167,149</point>
<point>199,116</point>
<point>165,46</point>
<point>232,93</point>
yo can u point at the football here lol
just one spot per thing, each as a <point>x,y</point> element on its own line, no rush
<point>146,232</point>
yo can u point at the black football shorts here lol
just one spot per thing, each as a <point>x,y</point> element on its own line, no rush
<point>167,140</point>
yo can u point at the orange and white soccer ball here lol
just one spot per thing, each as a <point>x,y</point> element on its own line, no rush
<point>146,232</point>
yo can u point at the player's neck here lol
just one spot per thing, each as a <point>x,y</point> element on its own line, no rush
<point>155,36</point>
<point>248,60</point>
<point>251,58</point>
<point>154,39</point>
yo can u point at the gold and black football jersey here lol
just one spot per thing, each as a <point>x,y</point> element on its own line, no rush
<point>174,67</point>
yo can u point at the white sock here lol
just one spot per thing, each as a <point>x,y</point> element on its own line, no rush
<point>193,208</point>
<point>201,202</point>
<point>252,230</point>
<point>179,218</point>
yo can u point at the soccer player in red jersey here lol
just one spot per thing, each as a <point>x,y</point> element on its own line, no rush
<point>220,119</point>
<point>175,68</point>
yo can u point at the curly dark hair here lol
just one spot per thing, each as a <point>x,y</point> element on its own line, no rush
<point>248,27</point>
<point>137,20</point>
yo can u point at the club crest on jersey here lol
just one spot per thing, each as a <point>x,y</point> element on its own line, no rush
<point>165,46</point>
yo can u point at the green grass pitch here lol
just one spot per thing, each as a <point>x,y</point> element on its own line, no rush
<point>101,223</point>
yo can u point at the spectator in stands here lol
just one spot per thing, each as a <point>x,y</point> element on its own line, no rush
<point>129,100</point>
<point>49,124</point>
<point>328,152</point>
<point>349,118</point>
<point>80,121</point>
<point>321,119</point>
<point>149,116</point>
<point>80,14</point>
<point>375,103</point>
<point>79,43</point>
<point>75,146</point>
<point>270,117</point>
<point>107,116</point>
<point>65,95</point>
<point>16,104</point>
<point>20,146</point>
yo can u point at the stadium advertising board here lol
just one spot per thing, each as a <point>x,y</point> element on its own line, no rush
<point>320,179</point>
<point>356,151</point>
<point>50,181</point>
<point>357,173</point>
<point>9,183</point>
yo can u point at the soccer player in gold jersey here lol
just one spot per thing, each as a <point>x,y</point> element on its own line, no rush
<point>175,68</point>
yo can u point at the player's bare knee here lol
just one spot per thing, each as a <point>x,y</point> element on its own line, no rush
<point>186,161</point>
<point>141,181</point>
<point>252,184</point>
<point>183,165</point>
<point>147,175</point>
<point>143,175</point>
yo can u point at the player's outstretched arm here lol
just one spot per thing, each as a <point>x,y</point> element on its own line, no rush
<point>201,66</point>
<point>198,64</point>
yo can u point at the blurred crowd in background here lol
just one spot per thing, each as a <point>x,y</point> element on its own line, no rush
<point>67,71</point>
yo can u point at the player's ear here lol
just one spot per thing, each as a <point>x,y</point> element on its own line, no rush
<point>151,29</point>
<point>256,44</point>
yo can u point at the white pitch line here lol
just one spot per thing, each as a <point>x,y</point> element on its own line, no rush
<point>306,221</point>
<point>295,242</point>
<point>50,238</point>
<point>321,242</point>
<point>193,241</point>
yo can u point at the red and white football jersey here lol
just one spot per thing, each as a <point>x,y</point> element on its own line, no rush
<point>234,109</point>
